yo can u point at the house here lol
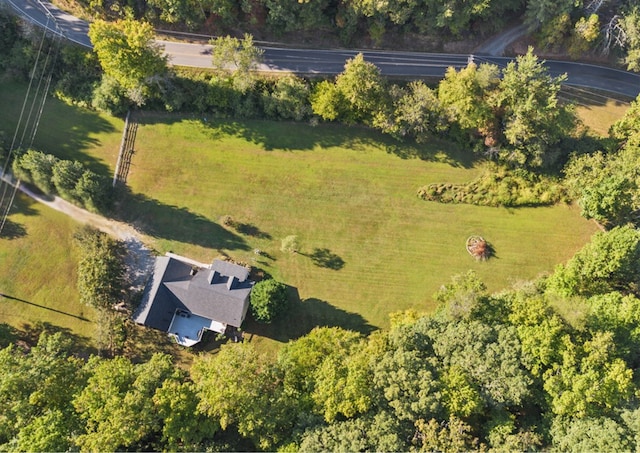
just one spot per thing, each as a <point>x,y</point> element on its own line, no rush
<point>184,298</point>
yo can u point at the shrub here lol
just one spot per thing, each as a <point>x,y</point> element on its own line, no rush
<point>499,187</point>
<point>290,244</point>
<point>110,97</point>
<point>69,179</point>
<point>36,168</point>
<point>269,298</point>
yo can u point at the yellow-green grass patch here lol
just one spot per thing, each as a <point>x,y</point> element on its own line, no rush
<point>38,271</point>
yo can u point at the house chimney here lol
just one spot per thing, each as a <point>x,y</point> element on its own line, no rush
<point>230,282</point>
<point>212,276</point>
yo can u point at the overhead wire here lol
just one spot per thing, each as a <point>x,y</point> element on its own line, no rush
<point>38,99</point>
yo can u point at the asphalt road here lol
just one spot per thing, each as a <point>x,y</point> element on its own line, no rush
<point>306,61</point>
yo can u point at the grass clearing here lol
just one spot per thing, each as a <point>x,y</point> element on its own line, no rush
<point>38,271</point>
<point>66,132</point>
<point>597,110</point>
<point>369,246</point>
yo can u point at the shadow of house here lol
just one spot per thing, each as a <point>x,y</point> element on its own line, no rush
<point>175,223</point>
<point>184,298</point>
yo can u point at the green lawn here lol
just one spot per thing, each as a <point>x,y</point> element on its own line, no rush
<point>369,246</point>
<point>38,271</point>
<point>343,191</point>
<point>597,110</point>
<point>65,131</point>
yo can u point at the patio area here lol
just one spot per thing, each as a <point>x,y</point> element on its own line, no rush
<point>187,328</point>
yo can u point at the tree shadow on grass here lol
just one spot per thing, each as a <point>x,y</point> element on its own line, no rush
<point>64,131</point>
<point>437,150</point>
<point>302,316</point>
<point>291,136</point>
<point>30,333</point>
<point>249,229</point>
<point>327,259</point>
<point>12,230</point>
<point>175,223</point>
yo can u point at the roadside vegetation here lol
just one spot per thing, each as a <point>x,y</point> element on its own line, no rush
<point>532,344</point>
<point>577,29</point>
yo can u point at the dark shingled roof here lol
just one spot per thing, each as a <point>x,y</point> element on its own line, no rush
<point>173,287</point>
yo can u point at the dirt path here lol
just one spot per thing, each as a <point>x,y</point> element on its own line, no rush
<point>496,45</point>
<point>139,259</point>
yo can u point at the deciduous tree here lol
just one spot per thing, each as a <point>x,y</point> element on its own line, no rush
<point>237,57</point>
<point>128,54</point>
<point>269,298</point>
<point>533,120</point>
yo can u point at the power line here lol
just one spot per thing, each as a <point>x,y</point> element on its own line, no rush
<point>45,69</point>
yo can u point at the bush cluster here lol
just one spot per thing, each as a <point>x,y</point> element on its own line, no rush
<point>69,179</point>
<point>499,187</point>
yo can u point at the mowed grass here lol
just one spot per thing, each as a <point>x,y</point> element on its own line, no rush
<point>369,246</point>
<point>38,271</point>
<point>64,131</point>
<point>597,110</point>
<point>38,265</point>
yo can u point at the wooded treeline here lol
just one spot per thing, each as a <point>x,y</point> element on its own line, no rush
<point>573,27</point>
<point>550,363</point>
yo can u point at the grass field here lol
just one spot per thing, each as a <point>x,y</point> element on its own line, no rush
<point>369,246</point>
<point>597,111</point>
<point>38,271</point>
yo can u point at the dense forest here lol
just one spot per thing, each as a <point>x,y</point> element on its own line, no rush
<point>551,363</point>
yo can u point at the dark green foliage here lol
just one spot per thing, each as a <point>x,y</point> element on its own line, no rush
<point>129,55</point>
<point>239,387</point>
<point>358,95</point>
<point>301,359</point>
<point>269,298</point>
<point>108,96</point>
<point>65,177</point>
<point>631,25</point>
<point>79,73</point>
<point>620,315</point>
<point>37,168</point>
<point>606,186</point>
<point>417,114</point>
<point>69,179</point>
<point>288,99</point>
<point>610,262</point>
<point>100,270</point>
<point>381,432</point>
<point>533,119</point>
<point>600,434</point>
<point>35,394</point>
<point>117,403</point>
<point>185,427</point>
<point>9,35</point>
<point>238,58</point>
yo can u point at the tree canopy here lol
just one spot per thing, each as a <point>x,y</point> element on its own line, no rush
<point>128,54</point>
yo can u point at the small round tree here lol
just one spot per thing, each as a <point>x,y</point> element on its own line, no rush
<point>269,298</point>
<point>290,244</point>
